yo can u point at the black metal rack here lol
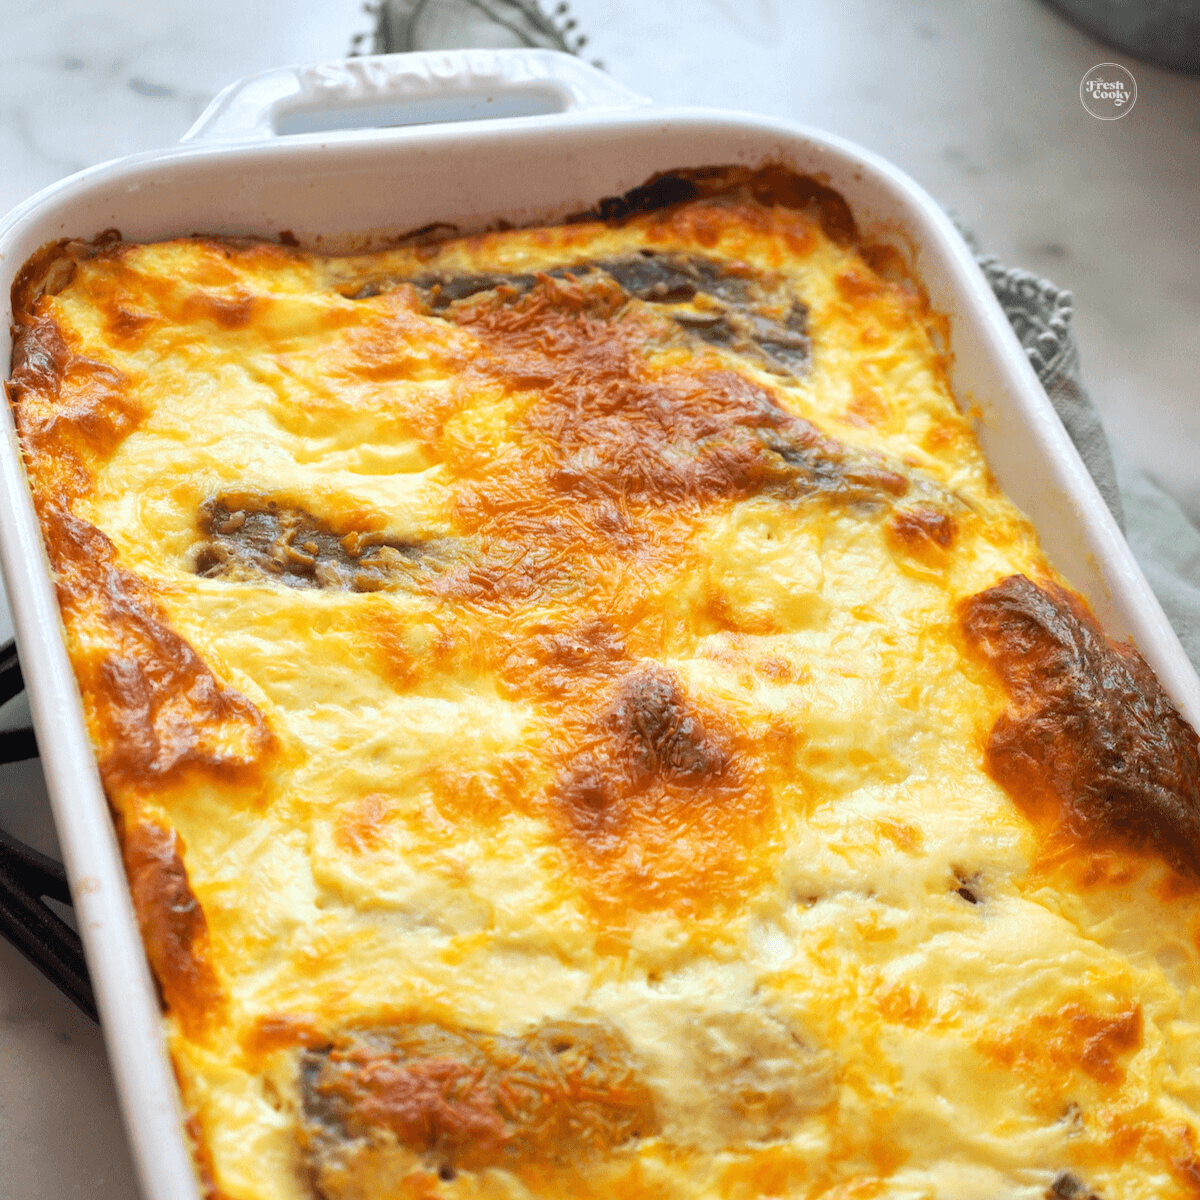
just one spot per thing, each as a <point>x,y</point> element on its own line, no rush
<point>28,878</point>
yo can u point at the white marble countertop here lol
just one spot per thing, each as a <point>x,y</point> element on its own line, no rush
<point>978,101</point>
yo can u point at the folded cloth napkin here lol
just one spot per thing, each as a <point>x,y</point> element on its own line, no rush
<point>1165,543</point>
<point>1167,547</point>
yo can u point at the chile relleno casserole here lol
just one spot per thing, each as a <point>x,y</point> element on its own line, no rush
<point>582,721</point>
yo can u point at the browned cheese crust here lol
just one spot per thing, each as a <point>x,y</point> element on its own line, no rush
<point>1092,748</point>
<point>553,715</point>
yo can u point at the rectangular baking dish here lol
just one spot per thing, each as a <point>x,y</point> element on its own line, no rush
<point>344,155</point>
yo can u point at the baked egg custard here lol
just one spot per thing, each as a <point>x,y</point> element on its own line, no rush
<point>582,721</point>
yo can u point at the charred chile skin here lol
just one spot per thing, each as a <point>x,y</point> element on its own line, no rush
<point>254,539</point>
<point>746,313</point>
<point>465,1100</point>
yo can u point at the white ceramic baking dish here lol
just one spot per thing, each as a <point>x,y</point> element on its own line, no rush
<point>343,154</point>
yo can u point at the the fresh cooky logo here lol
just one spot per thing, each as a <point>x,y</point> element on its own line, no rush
<point>1108,91</point>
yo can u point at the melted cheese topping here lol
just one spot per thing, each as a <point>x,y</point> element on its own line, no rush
<point>663,724</point>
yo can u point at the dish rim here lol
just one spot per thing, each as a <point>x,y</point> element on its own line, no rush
<point>125,992</point>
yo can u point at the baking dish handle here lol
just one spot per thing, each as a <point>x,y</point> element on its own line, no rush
<point>384,90</point>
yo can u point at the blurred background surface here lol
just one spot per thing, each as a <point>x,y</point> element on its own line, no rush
<point>977,99</point>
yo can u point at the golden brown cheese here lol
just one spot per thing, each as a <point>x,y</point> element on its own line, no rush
<point>583,721</point>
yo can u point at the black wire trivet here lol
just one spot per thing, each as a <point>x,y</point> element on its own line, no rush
<point>28,878</point>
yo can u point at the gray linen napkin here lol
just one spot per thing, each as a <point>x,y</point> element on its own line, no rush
<point>1167,547</point>
<point>1165,543</point>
